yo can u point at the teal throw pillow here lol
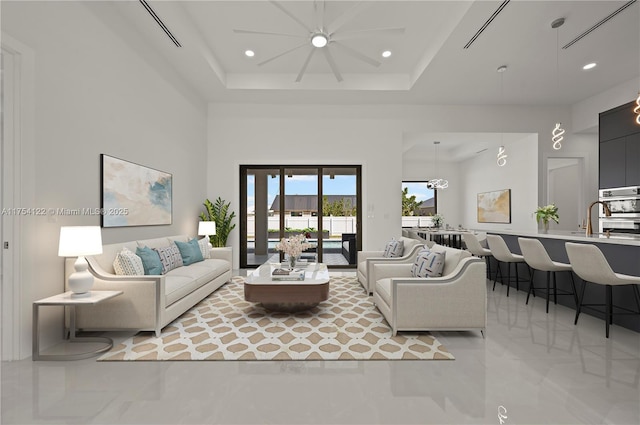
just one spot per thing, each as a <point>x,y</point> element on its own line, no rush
<point>190,251</point>
<point>150,260</point>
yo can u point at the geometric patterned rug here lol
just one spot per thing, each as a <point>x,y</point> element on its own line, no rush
<point>224,326</point>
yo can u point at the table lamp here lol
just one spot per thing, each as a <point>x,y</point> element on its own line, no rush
<point>207,228</point>
<point>78,241</point>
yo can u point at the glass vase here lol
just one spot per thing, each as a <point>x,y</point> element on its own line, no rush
<point>292,262</point>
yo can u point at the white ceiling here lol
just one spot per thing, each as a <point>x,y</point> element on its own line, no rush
<point>428,66</point>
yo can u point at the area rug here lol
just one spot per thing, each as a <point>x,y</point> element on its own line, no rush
<point>226,327</point>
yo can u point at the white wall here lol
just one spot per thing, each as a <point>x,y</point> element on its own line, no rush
<point>311,135</point>
<point>520,174</point>
<point>92,94</point>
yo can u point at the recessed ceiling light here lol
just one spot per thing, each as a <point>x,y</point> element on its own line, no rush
<point>386,53</point>
<point>249,53</point>
<point>589,66</point>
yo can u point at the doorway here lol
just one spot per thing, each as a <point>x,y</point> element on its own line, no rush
<point>565,188</point>
<point>323,202</point>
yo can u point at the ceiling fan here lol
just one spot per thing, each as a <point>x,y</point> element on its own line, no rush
<point>324,38</point>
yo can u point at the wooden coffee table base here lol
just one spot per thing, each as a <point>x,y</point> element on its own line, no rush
<point>287,297</point>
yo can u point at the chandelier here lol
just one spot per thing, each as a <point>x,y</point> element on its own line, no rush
<point>437,183</point>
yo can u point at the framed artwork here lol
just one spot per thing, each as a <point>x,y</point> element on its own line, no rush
<point>134,195</point>
<point>495,206</point>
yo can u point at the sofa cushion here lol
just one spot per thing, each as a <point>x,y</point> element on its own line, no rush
<point>452,259</point>
<point>393,249</point>
<point>189,251</point>
<point>127,263</point>
<point>154,243</point>
<point>150,260</point>
<point>204,247</point>
<point>428,264</point>
<point>169,257</point>
<point>184,280</point>
<point>383,289</point>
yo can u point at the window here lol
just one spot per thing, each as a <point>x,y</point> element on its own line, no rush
<point>418,202</point>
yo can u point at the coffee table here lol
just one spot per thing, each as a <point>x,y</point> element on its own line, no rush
<point>287,295</point>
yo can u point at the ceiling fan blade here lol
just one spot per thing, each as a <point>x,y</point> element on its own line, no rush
<point>283,53</point>
<point>305,64</point>
<point>332,64</point>
<point>366,33</point>
<point>291,15</point>
<point>268,33</point>
<point>319,8</point>
<point>357,55</point>
<point>347,16</point>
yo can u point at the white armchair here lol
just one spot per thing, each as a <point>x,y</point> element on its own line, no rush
<point>455,301</point>
<point>366,260</point>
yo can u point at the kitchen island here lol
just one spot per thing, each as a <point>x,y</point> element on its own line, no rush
<point>622,251</point>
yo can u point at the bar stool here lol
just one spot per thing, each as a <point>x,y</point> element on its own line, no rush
<point>537,258</point>
<point>501,252</point>
<point>590,265</point>
<point>477,250</point>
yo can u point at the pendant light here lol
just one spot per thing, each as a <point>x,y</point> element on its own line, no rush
<point>437,183</point>
<point>501,158</point>
<point>557,134</point>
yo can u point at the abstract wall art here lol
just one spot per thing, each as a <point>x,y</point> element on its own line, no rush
<point>495,206</point>
<point>134,195</point>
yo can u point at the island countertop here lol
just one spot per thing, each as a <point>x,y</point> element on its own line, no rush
<point>577,236</point>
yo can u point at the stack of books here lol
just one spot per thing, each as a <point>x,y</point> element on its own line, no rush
<point>285,274</point>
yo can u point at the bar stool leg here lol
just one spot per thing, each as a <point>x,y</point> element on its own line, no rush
<point>515,265</point>
<point>488,260</point>
<point>531,287</point>
<point>637,294</point>
<point>555,289</point>
<point>548,289</point>
<point>584,286</point>
<point>575,291</point>
<point>508,277</point>
<point>498,271</point>
<point>609,316</point>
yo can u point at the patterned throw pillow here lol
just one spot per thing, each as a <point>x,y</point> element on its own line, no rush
<point>189,251</point>
<point>204,247</point>
<point>428,264</point>
<point>150,260</point>
<point>127,263</point>
<point>393,249</point>
<point>169,257</point>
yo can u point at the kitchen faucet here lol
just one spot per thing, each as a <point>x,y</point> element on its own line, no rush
<point>607,212</point>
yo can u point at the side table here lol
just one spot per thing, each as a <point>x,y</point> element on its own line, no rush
<point>67,300</point>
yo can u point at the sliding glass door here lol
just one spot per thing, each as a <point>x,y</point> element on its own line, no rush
<point>321,202</point>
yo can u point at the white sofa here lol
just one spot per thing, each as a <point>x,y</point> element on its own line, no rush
<point>366,260</point>
<point>455,301</point>
<point>150,302</point>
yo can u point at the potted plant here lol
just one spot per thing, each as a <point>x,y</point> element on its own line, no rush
<point>219,212</point>
<point>547,213</point>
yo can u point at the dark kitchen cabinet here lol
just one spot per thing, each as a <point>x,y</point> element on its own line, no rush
<point>633,160</point>
<point>612,163</point>
<point>619,136</point>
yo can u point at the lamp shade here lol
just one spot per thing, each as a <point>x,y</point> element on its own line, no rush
<point>207,228</point>
<point>78,241</point>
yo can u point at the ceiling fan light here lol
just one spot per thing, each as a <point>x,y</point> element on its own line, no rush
<point>319,40</point>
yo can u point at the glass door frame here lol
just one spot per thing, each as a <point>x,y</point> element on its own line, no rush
<point>282,173</point>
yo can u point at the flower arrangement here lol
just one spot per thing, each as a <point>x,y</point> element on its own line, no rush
<point>546,213</point>
<point>294,245</point>
<point>437,220</point>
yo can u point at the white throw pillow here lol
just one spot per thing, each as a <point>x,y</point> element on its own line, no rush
<point>428,264</point>
<point>393,249</point>
<point>128,263</point>
<point>204,247</point>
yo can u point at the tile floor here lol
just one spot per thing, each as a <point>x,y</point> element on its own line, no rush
<point>534,368</point>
